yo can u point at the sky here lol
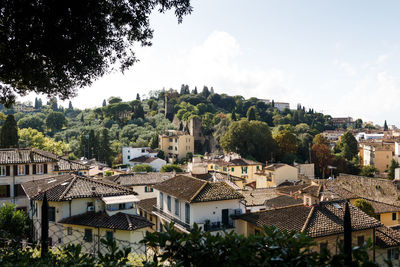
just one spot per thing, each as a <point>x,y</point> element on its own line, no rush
<point>339,57</point>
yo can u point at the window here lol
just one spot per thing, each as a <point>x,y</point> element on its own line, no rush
<point>161,201</point>
<point>224,169</point>
<point>52,214</point>
<point>169,203</point>
<point>232,169</point>
<point>323,246</point>
<point>3,171</point>
<point>88,235</point>
<point>211,167</point>
<point>378,217</point>
<point>4,191</point>
<point>394,216</point>
<point>176,148</point>
<point>148,189</point>
<point>21,170</point>
<point>176,206</point>
<point>129,157</point>
<point>170,139</point>
<point>18,191</point>
<point>176,140</point>
<point>187,213</point>
<point>360,240</point>
<point>39,169</point>
<point>69,230</point>
<point>109,235</point>
<point>170,148</point>
<point>393,253</point>
<point>256,231</point>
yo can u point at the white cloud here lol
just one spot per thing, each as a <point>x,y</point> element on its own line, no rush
<point>214,62</point>
<point>346,67</point>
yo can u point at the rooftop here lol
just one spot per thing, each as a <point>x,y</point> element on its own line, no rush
<point>147,204</point>
<point>282,201</point>
<point>193,189</point>
<point>131,179</point>
<point>23,155</point>
<point>323,219</point>
<point>119,221</point>
<point>71,186</point>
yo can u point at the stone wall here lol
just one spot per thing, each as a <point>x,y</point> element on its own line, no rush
<point>382,190</point>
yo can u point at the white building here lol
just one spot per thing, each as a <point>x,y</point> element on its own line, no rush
<point>281,106</point>
<point>154,162</point>
<point>129,153</point>
<point>93,208</point>
<point>186,200</point>
<point>368,136</point>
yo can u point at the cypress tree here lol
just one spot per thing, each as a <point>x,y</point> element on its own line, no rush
<point>137,96</point>
<point>251,114</point>
<point>385,126</point>
<point>104,153</point>
<point>104,103</point>
<point>9,133</point>
<point>233,116</point>
<point>70,105</point>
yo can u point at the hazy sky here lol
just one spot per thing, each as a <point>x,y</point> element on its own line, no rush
<point>339,57</point>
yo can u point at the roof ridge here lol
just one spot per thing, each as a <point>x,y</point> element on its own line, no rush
<point>130,226</point>
<point>198,191</point>
<point>68,187</point>
<point>51,187</point>
<point>308,219</point>
<point>104,183</point>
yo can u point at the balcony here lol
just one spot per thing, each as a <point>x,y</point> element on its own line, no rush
<point>216,226</point>
<point>171,218</point>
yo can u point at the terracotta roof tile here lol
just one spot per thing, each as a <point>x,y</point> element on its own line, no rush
<point>70,186</point>
<point>119,221</point>
<point>386,237</point>
<point>23,155</point>
<point>282,201</point>
<point>192,189</point>
<point>131,179</point>
<point>147,204</point>
<point>323,219</point>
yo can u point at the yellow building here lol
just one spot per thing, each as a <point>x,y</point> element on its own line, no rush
<point>275,174</point>
<point>387,214</point>
<point>176,145</point>
<point>377,154</point>
<point>236,166</point>
<point>322,221</point>
<point>145,209</point>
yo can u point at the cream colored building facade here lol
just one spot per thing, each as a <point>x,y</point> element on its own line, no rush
<point>275,174</point>
<point>176,145</point>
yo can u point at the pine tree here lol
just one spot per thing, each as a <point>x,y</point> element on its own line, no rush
<point>40,103</point>
<point>104,103</point>
<point>137,96</point>
<point>9,133</point>
<point>385,126</point>
<point>251,114</point>
<point>70,106</point>
<point>194,90</point>
<point>273,103</point>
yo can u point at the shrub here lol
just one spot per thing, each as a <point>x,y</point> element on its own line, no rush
<point>171,168</point>
<point>142,168</point>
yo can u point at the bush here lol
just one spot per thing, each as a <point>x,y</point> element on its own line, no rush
<point>271,248</point>
<point>171,168</point>
<point>142,168</point>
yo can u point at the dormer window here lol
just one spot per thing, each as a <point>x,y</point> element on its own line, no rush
<point>39,169</point>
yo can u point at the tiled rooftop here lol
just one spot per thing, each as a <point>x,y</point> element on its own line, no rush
<point>119,221</point>
<point>193,189</point>
<point>70,186</point>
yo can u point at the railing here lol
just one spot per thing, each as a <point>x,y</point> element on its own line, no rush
<point>216,226</point>
<point>171,218</point>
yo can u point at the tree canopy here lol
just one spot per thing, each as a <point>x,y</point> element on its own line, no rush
<point>365,206</point>
<point>249,139</point>
<point>9,133</point>
<point>54,47</point>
